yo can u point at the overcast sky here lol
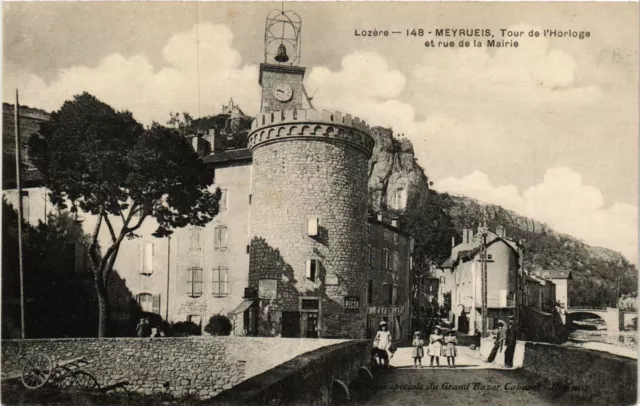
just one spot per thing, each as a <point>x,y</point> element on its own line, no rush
<point>548,129</point>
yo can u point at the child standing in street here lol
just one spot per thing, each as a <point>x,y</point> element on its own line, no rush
<point>418,351</point>
<point>434,350</point>
<point>449,350</point>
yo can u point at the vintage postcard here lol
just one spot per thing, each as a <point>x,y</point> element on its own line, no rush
<point>320,203</point>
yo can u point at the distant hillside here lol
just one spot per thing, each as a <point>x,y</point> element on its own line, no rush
<point>597,271</point>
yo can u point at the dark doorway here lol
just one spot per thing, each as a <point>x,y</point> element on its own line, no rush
<point>290,324</point>
<point>312,325</point>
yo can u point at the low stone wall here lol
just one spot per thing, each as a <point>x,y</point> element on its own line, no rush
<point>200,366</point>
<point>606,378</point>
<point>309,379</point>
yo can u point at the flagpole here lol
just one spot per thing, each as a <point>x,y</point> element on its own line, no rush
<point>19,187</point>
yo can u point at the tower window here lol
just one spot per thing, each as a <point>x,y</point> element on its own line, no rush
<point>312,269</point>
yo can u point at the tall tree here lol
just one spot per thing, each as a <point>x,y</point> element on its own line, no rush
<point>105,163</point>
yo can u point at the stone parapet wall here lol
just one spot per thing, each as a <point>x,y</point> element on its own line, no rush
<point>309,379</point>
<point>605,378</point>
<point>283,125</point>
<point>200,366</point>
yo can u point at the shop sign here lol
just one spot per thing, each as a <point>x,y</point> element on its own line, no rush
<point>387,310</point>
<point>351,304</point>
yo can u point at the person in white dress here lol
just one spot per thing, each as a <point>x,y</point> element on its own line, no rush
<point>434,350</point>
<point>382,342</point>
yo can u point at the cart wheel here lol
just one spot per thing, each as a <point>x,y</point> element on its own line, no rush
<point>62,377</point>
<point>85,381</point>
<point>36,371</point>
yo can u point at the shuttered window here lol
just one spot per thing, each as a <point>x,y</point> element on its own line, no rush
<point>220,282</point>
<point>224,199</point>
<point>386,294</point>
<point>220,238</point>
<point>145,258</point>
<point>149,303</point>
<point>195,240</point>
<point>194,282</point>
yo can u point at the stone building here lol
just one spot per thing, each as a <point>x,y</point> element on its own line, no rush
<point>388,256</point>
<point>287,254</point>
<point>503,271</point>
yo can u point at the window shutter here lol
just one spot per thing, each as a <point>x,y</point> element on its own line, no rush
<point>312,227</point>
<point>198,282</point>
<point>224,282</point>
<point>216,238</point>
<point>140,257</point>
<point>223,238</point>
<point>223,200</point>
<point>148,258</point>
<point>215,283</point>
<point>156,304</point>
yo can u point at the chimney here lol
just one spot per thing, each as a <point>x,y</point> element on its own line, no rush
<point>465,235</point>
<point>394,223</point>
<point>453,242</point>
<point>500,231</point>
<point>379,217</point>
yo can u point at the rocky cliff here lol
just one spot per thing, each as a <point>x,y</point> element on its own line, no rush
<point>395,178</point>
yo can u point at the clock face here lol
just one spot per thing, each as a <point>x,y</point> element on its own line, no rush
<point>282,92</point>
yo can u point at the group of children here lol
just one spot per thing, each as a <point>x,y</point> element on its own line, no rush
<point>439,346</point>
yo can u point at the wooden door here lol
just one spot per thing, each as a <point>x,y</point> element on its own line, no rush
<point>290,324</point>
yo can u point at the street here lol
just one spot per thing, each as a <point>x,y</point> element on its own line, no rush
<point>472,382</point>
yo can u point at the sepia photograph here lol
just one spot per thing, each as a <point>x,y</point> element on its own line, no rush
<point>319,203</point>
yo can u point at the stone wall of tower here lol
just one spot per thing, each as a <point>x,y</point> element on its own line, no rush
<point>316,167</point>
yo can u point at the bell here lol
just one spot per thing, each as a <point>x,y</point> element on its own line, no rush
<point>282,54</point>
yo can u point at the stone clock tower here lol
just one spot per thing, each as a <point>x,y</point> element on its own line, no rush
<point>281,87</point>
<point>309,202</point>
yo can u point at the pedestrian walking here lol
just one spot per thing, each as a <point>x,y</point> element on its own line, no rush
<point>497,345</point>
<point>434,350</point>
<point>142,329</point>
<point>510,341</point>
<point>382,342</point>
<point>449,350</point>
<point>418,350</point>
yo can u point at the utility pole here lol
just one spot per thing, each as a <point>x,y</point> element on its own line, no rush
<point>16,119</point>
<point>483,232</point>
<point>166,315</point>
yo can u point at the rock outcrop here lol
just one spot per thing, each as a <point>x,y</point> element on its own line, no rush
<point>395,178</point>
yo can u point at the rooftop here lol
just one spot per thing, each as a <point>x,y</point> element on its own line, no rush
<point>554,274</point>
